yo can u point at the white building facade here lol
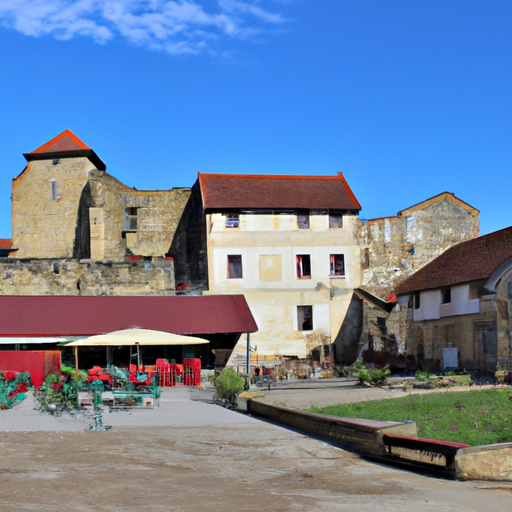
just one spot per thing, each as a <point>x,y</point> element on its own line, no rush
<point>296,266</point>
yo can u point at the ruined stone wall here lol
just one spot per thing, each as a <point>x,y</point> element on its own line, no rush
<point>393,248</point>
<point>384,337</point>
<point>188,247</point>
<point>150,234</point>
<point>65,208</point>
<point>504,322</point>
<point>86,277</point>
<point>44,225</point>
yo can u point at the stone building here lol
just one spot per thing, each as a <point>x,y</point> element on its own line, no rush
<point>395,247</point>
<point>65,205</point>
<point>456,311</point>
<point>392,249</point>
<point>79,231</point>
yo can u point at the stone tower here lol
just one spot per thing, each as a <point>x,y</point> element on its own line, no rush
<point>46,197</point>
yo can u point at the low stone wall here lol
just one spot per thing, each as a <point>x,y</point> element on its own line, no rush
<point>395,443</point>
<point>364,436</point>
<point>491,462</point>
<point>86,277</point>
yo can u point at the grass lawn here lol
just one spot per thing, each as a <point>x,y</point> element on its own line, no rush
<point>473,417</point>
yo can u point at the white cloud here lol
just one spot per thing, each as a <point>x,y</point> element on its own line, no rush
<point>173,26</point>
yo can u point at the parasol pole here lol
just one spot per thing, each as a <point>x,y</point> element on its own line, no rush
<point>76,363</point>
<point>138,355</point>
<point>248,354</point>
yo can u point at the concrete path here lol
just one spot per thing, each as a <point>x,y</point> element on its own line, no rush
<point>177,409</point>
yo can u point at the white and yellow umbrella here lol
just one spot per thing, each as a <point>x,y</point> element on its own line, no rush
<point>135,337</point>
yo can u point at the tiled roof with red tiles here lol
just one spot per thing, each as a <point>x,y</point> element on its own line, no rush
<point>65,141</point>
<point>467,261</point>
<point>242,191</point>
<point>66,144</point>
<point>5,243</point>
<point>33,316</point>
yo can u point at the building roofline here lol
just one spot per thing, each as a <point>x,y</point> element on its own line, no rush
<point>349,190</point>
<point>66,133</point>
<point>383,305</point>
<point>272,176</point>
<point>434,199</point>
<point>259,191</point>
<point>45,151</point>
<point>465,250</point>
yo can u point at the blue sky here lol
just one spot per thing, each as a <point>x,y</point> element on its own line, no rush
<point>408,98</point>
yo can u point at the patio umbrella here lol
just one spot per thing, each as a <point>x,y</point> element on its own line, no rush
<point>135,337</point>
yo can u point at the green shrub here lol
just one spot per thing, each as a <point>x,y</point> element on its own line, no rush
<point>229,384</point>
<point>374,377</point>
<point>354,369</point>
<point>52,378</point>
<point>421,376</point>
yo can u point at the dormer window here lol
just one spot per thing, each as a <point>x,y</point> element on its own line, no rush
<point>233,221</point>
<point>335,219</point>
<point>303,220</point>
<point>446,295</point>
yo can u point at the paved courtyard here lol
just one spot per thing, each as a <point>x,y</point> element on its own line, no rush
<point>192,455</point>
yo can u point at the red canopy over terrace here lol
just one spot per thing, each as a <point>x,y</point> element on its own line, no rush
<point>46,316</point>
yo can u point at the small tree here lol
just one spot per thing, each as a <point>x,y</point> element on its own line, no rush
<point>229,384</point>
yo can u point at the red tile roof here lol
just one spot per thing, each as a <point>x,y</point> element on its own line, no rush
<point>33,316</point>
<point>65,141</point>
<point>467,261</point>
<point>66,144</point>
<point>5,243</point>
<point>235,191</point>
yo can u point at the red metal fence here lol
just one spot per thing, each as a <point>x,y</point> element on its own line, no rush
<point>39,363</point>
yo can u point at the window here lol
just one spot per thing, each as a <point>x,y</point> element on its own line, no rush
<point>303,266</point>
<point>337,263</point>
<point>304,318</point>
<point>235,266</point>
<point>474,288</point>
<point>303,220</point>
<point>53,184</point>
<point>446,295</point>
<point>335,219</point>
<point>417,300</point>
<point>130,218</point>
<point>233,221</point>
